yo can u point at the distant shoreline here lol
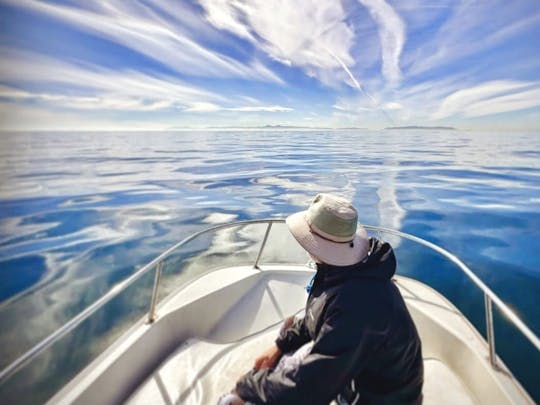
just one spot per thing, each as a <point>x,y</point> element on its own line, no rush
<point>270,127</point>
<point>423,127</point>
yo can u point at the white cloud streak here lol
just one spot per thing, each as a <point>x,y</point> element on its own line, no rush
<point>489,98</point>
<point>93,87</point>
<point>503,104</point>
<point>92,97</point>
<point>209,107</point>
<point>102,102</point>
<point>450,100</point>
<point>134,26</point>
<point>392,37</point>
<point>269,108</point>
<point>310,34</point>
<point>471,28</point>
<point>329,41</point>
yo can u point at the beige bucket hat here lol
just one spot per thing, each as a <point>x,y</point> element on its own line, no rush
<point>329,231</point>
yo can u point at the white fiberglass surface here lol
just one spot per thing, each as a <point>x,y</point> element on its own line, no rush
<point>199,372</point>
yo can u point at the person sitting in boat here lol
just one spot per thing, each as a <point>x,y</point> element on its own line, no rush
<point>363,345</point>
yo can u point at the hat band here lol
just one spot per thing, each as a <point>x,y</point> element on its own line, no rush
<point>331,238</point>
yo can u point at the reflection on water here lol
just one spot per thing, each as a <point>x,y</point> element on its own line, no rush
<point>79,212</point>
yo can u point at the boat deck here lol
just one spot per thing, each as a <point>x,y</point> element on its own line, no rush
<point>199,372</point>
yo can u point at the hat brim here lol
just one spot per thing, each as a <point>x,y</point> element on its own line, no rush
<point>334,253</point>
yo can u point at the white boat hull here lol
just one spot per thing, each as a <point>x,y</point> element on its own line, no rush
<point>207,335</point>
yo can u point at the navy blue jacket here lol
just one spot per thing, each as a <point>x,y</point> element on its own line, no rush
<point>365,342</point>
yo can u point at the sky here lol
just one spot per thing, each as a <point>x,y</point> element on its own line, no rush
<point>161,65</point>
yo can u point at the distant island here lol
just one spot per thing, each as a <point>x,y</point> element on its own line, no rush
<point>423,127</point>
<point>286,127</point>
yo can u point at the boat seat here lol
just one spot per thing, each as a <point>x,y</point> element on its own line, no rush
<point>199,372</point>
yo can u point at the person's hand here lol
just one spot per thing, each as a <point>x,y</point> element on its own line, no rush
<point>268,359</point>
<point>231,399</point>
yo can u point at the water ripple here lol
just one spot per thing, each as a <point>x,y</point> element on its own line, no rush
<point>78,212</point>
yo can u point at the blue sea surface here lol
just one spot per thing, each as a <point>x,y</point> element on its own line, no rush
<point>81,211</point>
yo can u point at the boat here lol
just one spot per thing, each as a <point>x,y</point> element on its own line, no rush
<point>218,299</point>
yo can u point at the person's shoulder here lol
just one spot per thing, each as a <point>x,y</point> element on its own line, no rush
<point>352,293</point>
<point>365,296</point>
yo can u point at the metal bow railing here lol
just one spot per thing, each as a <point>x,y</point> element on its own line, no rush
<point>490,297</point>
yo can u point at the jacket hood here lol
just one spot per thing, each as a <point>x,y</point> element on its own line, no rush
<point>380,263</point>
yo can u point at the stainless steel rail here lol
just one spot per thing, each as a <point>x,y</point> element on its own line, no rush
<point>490,331</point>
<point>263,244</point>
<point>39,348</point>
<point>489,295</point>
<point>152,310</point>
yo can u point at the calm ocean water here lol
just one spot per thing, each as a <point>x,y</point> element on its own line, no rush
<point>80,211</point>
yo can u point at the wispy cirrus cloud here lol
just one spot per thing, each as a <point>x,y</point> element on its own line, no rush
<point>312,35</point>
<point>162,38</point>
<point>271,62</point>
<point>392,37</point>
<point>490,98</point>
<point>448,101</point>
<point>99,102</point>
<point>471,29</point>
<point>93,87</point>
<point>209,107</point>
<point>75,88</point>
